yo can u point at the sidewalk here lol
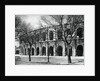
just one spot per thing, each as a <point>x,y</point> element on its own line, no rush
<point>43,60</point>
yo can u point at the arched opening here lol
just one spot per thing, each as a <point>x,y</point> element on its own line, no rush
<point>17,51</point>
<point>25,51</point>
<point>44,36</point>
<point>32,51</point>
<point>51,35</point>
<point>80,32</point>
<point>59,34</point>
<point>51,51</point>
<point>59,51</point>
<point>43,51</point>
<point>79,50</point>
<point>37,51</point>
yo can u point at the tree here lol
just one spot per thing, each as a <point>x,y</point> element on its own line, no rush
<point>63,21</point>
<point>18,22</point>
<point>25,33</point>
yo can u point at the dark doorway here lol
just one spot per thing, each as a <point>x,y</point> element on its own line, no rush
<point>79,51</point>
<point>43,51</point>
<point>37,51</point>
<point>59,51</point>
<point>17,51</point>
<point>32,51</point>
<point>51,51</point>
<point>80,32</point>
<point>25,51</point>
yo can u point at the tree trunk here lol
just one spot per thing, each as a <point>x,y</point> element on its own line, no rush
<point>30,53</point>
<point>69,56</point>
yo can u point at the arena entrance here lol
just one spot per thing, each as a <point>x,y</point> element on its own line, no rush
<point>50,51</point>
<point>79,51</point>
<point>59,51</point>
<point>43,51</point>
<point>37,50</point>
<point>32,51</point>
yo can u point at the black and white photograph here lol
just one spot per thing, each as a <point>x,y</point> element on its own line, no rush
<point>49,39</point>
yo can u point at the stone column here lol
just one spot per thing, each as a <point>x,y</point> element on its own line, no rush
<point>54,48</point>
<point>31,51</point>
<point>53,35</point>
<point>34,51</point>
<point>63,50</point>
<point>40,50</point>
<point>73,51</point>
<point>46,49</point>
<point>27,51</point>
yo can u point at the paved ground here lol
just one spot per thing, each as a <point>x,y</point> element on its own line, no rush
<point>42,60</point>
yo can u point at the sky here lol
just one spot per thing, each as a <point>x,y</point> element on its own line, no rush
<point>32,19</point>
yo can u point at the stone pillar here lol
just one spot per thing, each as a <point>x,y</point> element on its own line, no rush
<point>46,49</point>
<point>53,35</point>
<point>40,50</point>
<point>54,48</point>
<point>34,51</point>
<point>31,51</point>
<point>73,51</point>
<point>63,50</point>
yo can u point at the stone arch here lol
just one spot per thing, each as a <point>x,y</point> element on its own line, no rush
<point>51,35</point>
<point>79,50</point>
<point>43,50</point>
<point>80,32</point>
<point>37,51</point>
<point>50,50</point>
<point>59,50</point>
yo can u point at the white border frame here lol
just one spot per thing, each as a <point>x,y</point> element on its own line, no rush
<point>49,70</point>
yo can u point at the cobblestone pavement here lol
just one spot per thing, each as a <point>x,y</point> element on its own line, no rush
<point>43,60</point>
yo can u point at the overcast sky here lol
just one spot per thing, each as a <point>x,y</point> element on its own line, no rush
<point>32,19</point>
